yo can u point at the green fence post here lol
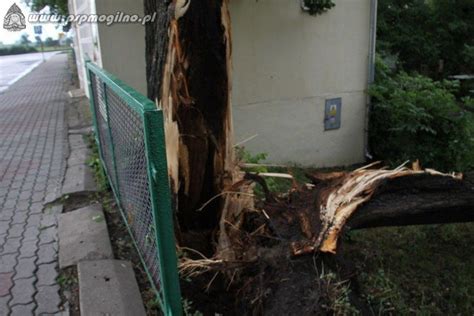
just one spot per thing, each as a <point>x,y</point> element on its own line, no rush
<point>162,211</point>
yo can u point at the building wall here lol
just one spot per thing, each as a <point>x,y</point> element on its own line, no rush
<point>286,63</point>
<point>123,44</point>
<point>86,39</point>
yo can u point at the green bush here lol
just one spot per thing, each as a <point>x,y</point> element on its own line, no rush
<point>414,117</point>
<point>17,49</point>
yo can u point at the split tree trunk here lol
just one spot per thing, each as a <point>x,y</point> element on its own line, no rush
<point>188,72</point>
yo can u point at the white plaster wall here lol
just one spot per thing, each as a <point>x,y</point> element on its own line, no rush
<point>86,40</point>
<point>285,64</point>
<point>123,44</point>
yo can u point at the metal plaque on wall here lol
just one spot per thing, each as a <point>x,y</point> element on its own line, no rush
<point>332,114</point>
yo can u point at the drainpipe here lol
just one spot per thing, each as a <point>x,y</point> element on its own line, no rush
<point>371,71</point>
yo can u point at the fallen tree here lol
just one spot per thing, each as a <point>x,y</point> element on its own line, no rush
<point>281,236</point>
<point>228,240</point>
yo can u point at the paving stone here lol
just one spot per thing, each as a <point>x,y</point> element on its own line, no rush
<point>6,283</point>
<point>23,310</point>
<point>108,287</point>
<point>6,215</point>
<point>22,206</point>
<point>48,235</point>
<point>22,291</point>
<point>7,262</point>
<point>31,233</point>
<point>26,194</point>
<point>4,226</point>
<point>34,220</point>
<point>9,204</point>
<point>25,268</point>
<point>83,235</point>
<point>11,246</point>
<point>19,218</point>
<point>33,142</point>
<point>47,274</point>
<point>3,239</point>
<point>4,308</point>
<point>36,208</point>
<point>50,216</point>
<point>48,253</point>
<point>28,249</point>
<point>48,300</point>
<point>37,197</point>
<point>16,230</point>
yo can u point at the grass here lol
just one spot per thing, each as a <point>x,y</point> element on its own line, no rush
<point>422,270</point>
<point>96,165</point>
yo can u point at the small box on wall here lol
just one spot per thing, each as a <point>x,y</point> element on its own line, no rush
<point>332,114</point>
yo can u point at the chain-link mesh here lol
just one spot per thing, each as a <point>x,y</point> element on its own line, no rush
<point>122,138</point>
<point>126,128</point>
<point>102,125</point>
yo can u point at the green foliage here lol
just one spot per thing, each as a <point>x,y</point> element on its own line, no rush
<point>95,164</point>
<point>274,184</point>
<point>422,33</point>
<point>24,40</point>
<point>188,309</point>
<point>414,117</point>
<point>316,7</point>
<point>57,7</point>
<point>49,42</point>
<point>335,295</point>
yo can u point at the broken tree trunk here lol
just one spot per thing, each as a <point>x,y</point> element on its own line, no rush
<point>314,218</point>
<point>188,72</point>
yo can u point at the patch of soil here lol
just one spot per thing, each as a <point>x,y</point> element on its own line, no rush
<point>69,291</point>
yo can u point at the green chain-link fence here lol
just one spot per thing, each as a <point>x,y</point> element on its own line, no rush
<point>129,133</point>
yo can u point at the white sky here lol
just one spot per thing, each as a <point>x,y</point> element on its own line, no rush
<point>7,37</point>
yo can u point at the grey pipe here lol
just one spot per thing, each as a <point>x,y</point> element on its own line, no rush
<point>371,70</point>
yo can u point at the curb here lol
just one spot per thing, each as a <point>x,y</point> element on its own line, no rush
<point>107,286</point>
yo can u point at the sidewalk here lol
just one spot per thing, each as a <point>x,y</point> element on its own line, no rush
<point>32,163</point>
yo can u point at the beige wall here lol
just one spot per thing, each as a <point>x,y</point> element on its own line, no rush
<point>286,63</point>
<point>123,44</point>
<point>86,39</point>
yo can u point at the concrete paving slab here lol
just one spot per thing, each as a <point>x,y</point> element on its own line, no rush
<point>76,93</point>
<point>78,157</point>
<point>78,179</point>
<point>83,236</point>
<point>109,287</point>
<point>82,131</point>
<point>76,141</point>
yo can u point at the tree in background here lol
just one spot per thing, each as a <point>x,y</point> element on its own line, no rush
<point>435,37</point>
<point>49,42</point>
<point>57,7</point>
<point>24,39</point>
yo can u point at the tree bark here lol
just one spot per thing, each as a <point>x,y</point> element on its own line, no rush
<point>418,200</point>
<point>314,218</point>
<point>188,71</point>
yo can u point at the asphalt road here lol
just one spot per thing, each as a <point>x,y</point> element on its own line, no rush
<point>14,67</point>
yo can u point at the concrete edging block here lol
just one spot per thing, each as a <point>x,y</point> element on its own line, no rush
<point>109,287</point>
<point>83,235</point>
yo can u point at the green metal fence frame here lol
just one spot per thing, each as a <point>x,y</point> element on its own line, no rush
<point>158,182</point>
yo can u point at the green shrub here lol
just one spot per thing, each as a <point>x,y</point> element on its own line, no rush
<point>414,117</point>
<point>17,49</point>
